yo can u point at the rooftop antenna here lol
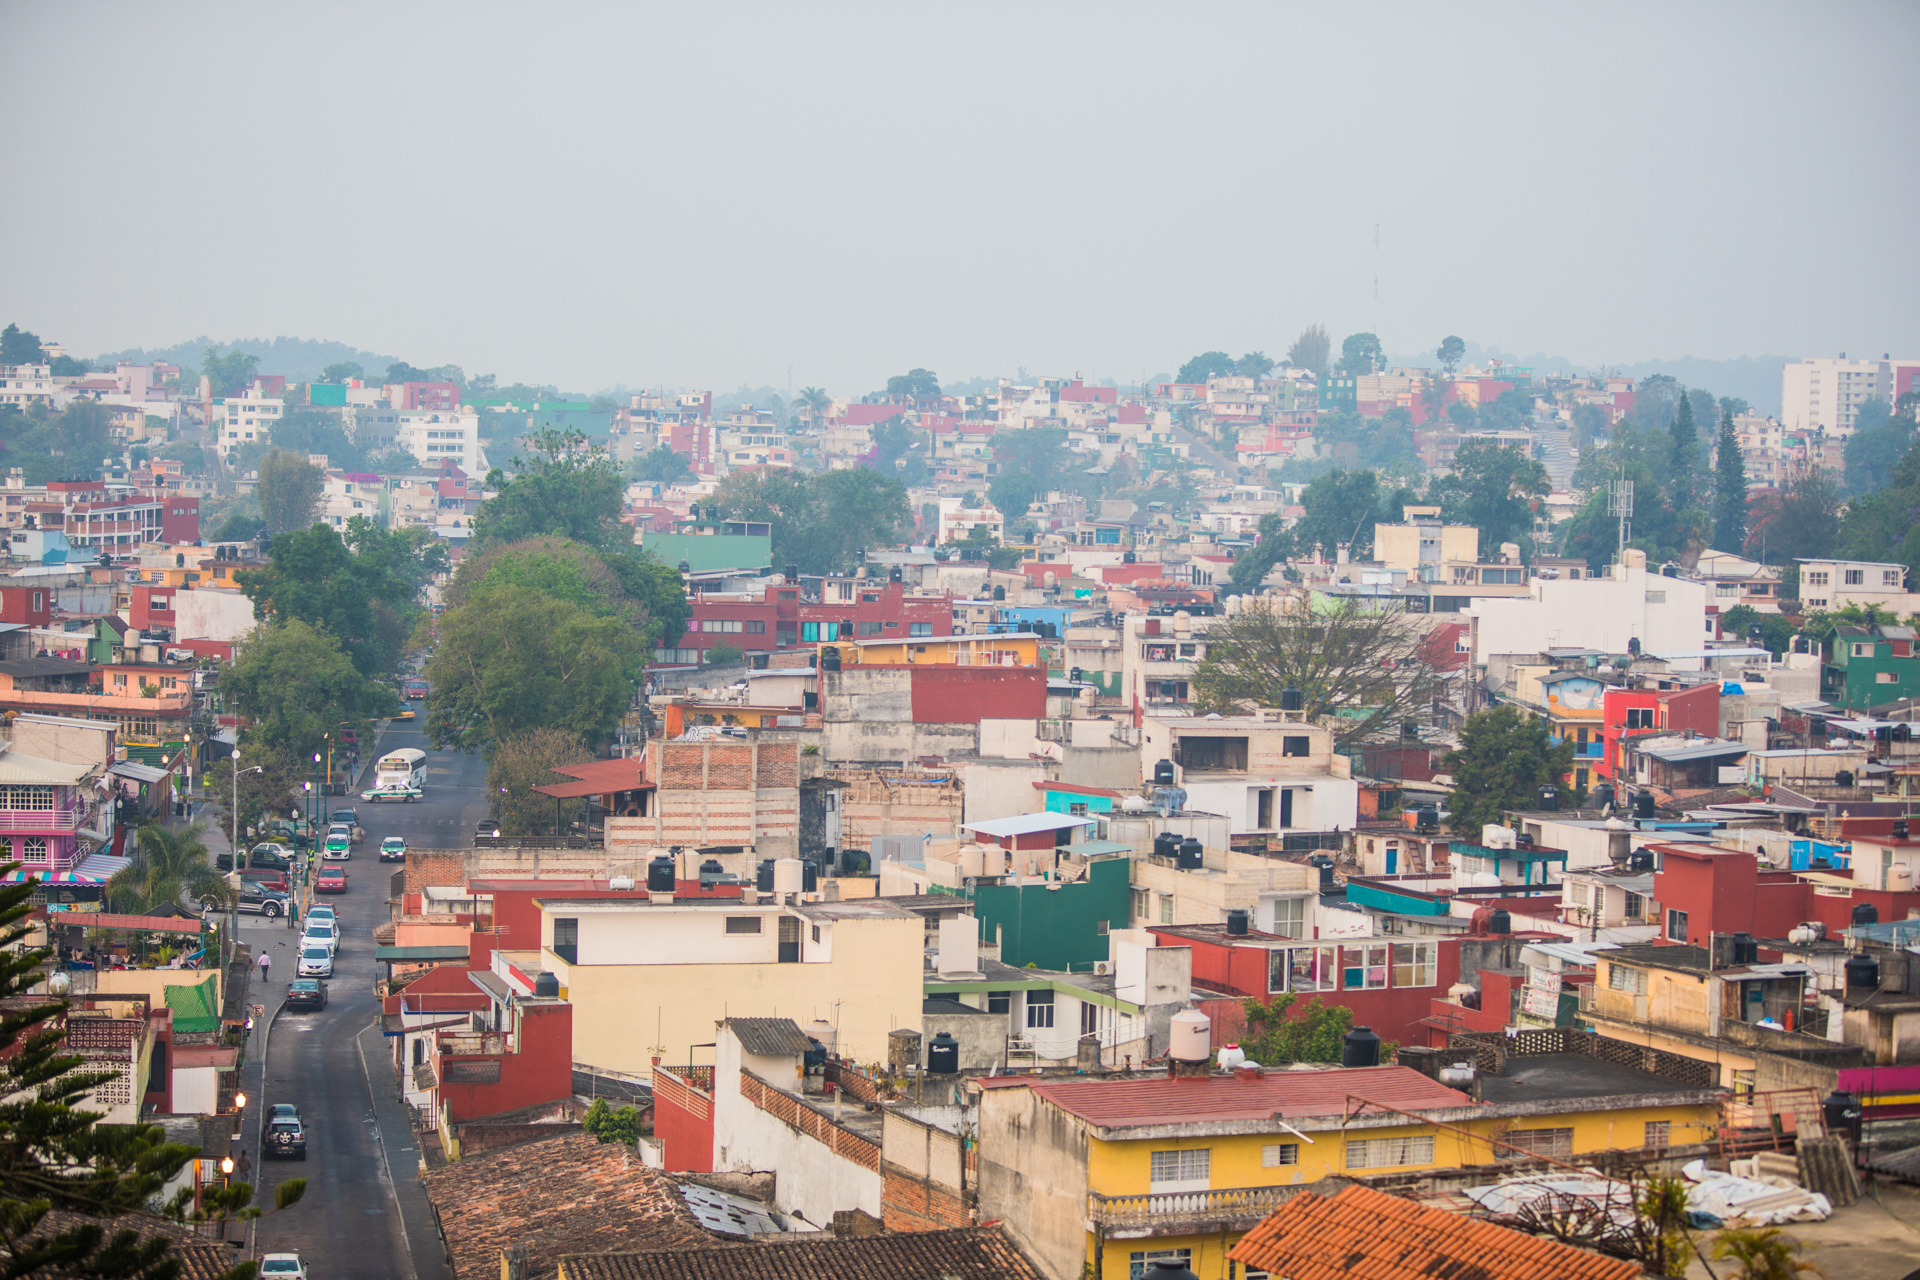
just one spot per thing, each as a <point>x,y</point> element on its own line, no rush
<point>1620,505</point>
<point>1379,355</point>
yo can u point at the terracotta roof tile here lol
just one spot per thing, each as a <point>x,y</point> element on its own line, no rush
<point>1366,1233</point>
<point>571,1194</point>
<point>1289,1094</point>
<point>967,1253</point>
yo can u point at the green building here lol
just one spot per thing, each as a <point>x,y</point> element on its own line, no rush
<point>1053,925</point>
<point>1337,393</point>
<point>1869,665</point>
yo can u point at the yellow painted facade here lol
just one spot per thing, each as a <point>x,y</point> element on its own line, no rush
<point>1122,1168</point>
<point>965,651</point>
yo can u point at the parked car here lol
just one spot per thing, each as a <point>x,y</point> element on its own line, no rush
<point>320,911</point>
<point>330,879</point>
<point>316,961</point>
<point>416,690</point>
<point>292,834</point>
<point>339,846</point>
<point>282,1111</point>
<point>379,794</point>
<point>352,818</point>
<point>393,849</point>
<point>404,713</point>
<point>254,900</point>
<point>283,1266</point>
<point>325,932</point>
<point>286,1138</point>
<point>266,856</point>
<point>307,993</point>
<point>267,878</point>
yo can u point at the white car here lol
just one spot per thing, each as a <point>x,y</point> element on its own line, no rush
<point>319,911</point>
<point>282,1266</point>
<point>394,792</point>
<point>324,933</point>
<point>316,960</point>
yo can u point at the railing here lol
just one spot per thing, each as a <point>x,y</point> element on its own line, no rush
<point>464,1044</point>
<point>1166,1208</point>
<point>45,819</point>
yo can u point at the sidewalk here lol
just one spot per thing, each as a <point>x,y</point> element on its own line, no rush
<point>400,1151</point>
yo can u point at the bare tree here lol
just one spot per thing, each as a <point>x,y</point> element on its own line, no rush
<point>1362,669</point>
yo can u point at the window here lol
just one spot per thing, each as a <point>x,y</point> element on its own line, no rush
<point>1815,579</point>
<point>999,1001</point>
<point>1861,649</point>
<point>1166,908</point>
<point>34,849</point>
<point>1622,977</point>
<point>1274,1154</point>
<point>1414,963</point>
<point>1290,917</point>
<point>816,933</point>
<point>1659,1134</point>
<point>919,628</point>
<point>1137,1261</point>
<point>1180,1170</point>
<point>1308,969</point>
<point>809,631</point>
<point>1077,809</point>
<point>1388,1153</point>
<point>1639,717</point>
<point>1743,1083</point>
<point>1636,907</point>
<point>1039,1009</point>
<point>869,628</point>
<point>1141,903</point>
<point>1656,597</point>
<point>756,627</point>
<point>743,924</point>
<point>1676,926</point>
<point>1089,1018</point>
<point>33,798</point>
<point>1363,968</point>
<point>1886,677</point>
<point>1296,745</point>
<point>1554,1143</point>
<point>1854,577</point>
<point>566,940</point>
<point>1888,578</point>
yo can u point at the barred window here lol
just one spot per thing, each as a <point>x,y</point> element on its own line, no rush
<point>1555,1143</point>
<point>1389,1153</point>
<point>1622,977</point>
<point>1659,1133</point>
<point>34,849</point>
<point>743,924</point>
<point>32,798</point>
<point>1279,1153</point>
<point>1181,1167</point>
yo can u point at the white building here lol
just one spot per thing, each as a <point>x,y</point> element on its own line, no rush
<point>242,419</point>
<point>1825,395</point>
<point>344,496</point>
<point>1835,584</point>
<point>1666,615</point>
<point>431,436</point>
<point>23,384</point>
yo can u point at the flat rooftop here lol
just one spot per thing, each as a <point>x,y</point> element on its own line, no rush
<point>1554,1077</point>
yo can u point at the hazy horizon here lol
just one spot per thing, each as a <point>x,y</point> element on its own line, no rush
<point>593,196</point>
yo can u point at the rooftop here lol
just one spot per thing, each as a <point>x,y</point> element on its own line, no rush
<point>769,1037</point>
<point>965,1253</point>
<point>1166,1100</point>
<point>1555,1077</point>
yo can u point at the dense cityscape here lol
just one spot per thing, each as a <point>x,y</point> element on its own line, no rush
<point>1373,804</point>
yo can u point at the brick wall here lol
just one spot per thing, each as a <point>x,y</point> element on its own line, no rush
<point>852,1081</point>
<point>909,1203</point>
<point>427,867</point>
<point>475,1138</point>
<point>788,1111</point>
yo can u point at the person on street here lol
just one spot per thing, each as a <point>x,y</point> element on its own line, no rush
<point>264,961</point>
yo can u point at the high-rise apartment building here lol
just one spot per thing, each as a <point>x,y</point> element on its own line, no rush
<point>1825,395</point>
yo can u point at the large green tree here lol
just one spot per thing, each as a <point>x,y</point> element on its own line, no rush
<point>1311,350</point>
<point>1879,440</point>
<point>364,590</point>
<point>1360,354</point>
<point>915,384</point>
<point>1683,463</point>
<point>1273,543</point>
<point>1503,760</point>
<point>1013,491</point>
<point>1450,352</point>
<point>82,438</point>
<point>167,866</point>
<point>526,761</point>
<point>289,491</point>
<point>1729,489</point>
<point>630,587</point>
<point>1208,364</point>
<point>297,686</point>
<point>821,520</point>
<point>564,488</point>
<point>1254,364</point>
<point>661,465</point>
<point>1799,520</point>
<point>513,659</point>
<point>1884,525</point>
<point>1491,487</point>
<point>1340,508</point>
<point>1359,669</point>
<point>305,431</point>
<point>18,346</point>
<point>230,374</point>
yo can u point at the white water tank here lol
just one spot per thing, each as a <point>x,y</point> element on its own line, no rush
<point>1231,1056</point>
<point>1495,836</point>
<point>972,860</point>
<point>1182,623</point>
<point>787,875</point>
<point>1899,878</point>
<point>1190,1037</point>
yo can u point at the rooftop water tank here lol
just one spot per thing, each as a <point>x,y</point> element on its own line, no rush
<point>1499,921</point>
<point>1291,699</point>
<point>1163,773</point>
<point>1865,913</point>
<point>788,876</point>
<point>830,659</point>
<point>1191,855</point>
<point>546,985</point>
<point>1166,845</point>
<point>711,870</point>
<point>1360,1048</point>
<point>943,1054</point>
<point>1643,804</point>
<point>1237,923</point>
<point>763,876</point>
<point>809,878</point>
<point>1190,1036</point>
<point>660,874</point>
<point>1548,798</point>
<point>1863,972</point>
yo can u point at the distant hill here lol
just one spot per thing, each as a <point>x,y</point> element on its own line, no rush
<point>301,359</point>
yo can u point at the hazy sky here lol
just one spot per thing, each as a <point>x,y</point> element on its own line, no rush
<point>707,195</point>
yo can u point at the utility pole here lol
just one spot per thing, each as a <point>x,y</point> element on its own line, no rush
<point>1620,505</point>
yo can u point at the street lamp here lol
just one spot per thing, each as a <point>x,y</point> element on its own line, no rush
<point>226,1167</point>
<point>240,1101</point>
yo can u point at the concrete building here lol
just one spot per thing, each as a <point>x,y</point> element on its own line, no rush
<point>1835,584</point>
<point>1421,539</point>
<point>1627,609</point>
<point>1825,395</point>
<point>1266,773</point>
<point>244,419</point>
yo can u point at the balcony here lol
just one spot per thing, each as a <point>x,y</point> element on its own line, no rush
<point>1181,1212</point>
<point>63,819</point>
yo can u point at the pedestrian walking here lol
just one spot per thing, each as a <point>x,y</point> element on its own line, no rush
<point>264,962</point>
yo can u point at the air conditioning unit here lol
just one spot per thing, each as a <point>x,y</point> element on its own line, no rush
<point>1103,968</point>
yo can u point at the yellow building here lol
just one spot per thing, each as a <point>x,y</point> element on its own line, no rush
<point>1421,539</point>
<point>648,979</point>
<point>1108,1175</point>
<point>1013,650</point>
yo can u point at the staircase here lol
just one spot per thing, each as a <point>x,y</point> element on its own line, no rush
<point>1555,448</point>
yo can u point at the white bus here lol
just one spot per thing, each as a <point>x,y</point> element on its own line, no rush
<point>406,767</point>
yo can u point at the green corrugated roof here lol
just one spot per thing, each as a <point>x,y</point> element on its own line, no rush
<point>194,1008</point>
<point>711,553</point>
<point>420,953</point>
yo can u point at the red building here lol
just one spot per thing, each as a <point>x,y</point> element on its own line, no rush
<point>437,396</point>
<point>1705,893</point>
<point>791,615</point>
<point>1627,712</point>
<point>32,606</point>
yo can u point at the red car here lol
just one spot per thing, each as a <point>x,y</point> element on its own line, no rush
<point>332,879</point>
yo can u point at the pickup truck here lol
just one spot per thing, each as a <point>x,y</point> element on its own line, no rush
<point>254,900</point>
<point>262,857</point>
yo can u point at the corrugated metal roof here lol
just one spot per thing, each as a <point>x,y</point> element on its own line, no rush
<point>1289,1094</point>
<point>33,771</point>
<point>1027,824</point>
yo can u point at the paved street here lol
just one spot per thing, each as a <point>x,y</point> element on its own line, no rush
<point>349,1225</point>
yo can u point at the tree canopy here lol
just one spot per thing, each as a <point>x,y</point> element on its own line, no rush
<point>289,491</point>
<point>1311,350</point>
<point>231,374</point>
<point>526,761</point>
<point>1503,760</point>
<point>1360,355</point>
<point>297,686</point>
<point>1450,352</point>
<point>1208,364</point>
<point>1361,669</point>
<point>821,520</point>
<point>661,465</point>
<point>565,489</point>
<point>363,590</point>
<point>1492,488</point>
<point>1729,488</point>
<point>915,384</point>
<point>18,346</point>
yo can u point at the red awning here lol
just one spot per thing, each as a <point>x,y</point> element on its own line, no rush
<point>574,790</point>
<point>152,924</point>
<point>607,775</point>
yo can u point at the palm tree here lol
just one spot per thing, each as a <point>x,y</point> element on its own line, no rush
<point>1764,1254</point>
<point>815,401</point>
<point>166,865</point>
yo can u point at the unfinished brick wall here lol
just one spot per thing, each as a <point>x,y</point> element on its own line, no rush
<point>435,867</point>
<point>886,802</point>
<point>909,1203</point>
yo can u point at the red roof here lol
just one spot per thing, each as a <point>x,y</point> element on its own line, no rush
<point>1363,1232</point>
<point>1074,788</point>
<point>1132,413</point>
<point>1290,1094</point>
<point>622,774</point>
<point>865,415</point>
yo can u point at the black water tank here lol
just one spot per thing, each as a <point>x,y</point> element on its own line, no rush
<point>1163,773</point>
<point>1745,949</point>
<point>943,1054</point>
<point>712,869</point>
<point>809,877</point>
<point>1169,689</point>
<point>1291,699</point>
<point>1633,645</point>
<point>846,629</point>
<point>855,862</point>
<point>1640,860</point>
<point>660,875</point>
<point>1166,845</point>
<point>1126,557</point>
<point>1074,675</point>
<point>893,574</point>
<point>1548,798</point>
<point>1236,923</point>
<point>1326,875</point>
<point>1841,1111</point>
<point>1602,797</point>
<point>1865,913</point>
<point>1190,858</point>
<point>999,593</point>
<point>1643,804</point>
<point>793,572</point>
<point>1360,1048</point>
<point>1863,972</point>
<point>1499,921</point>
<point>1900,829</point>
<point>1843,778</point>
<point>685,567</point>
<point>763,876</point>
<point>830,659</point>
<point>547,985</point>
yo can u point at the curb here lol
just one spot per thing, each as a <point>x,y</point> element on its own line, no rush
<point>386,1167</point>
